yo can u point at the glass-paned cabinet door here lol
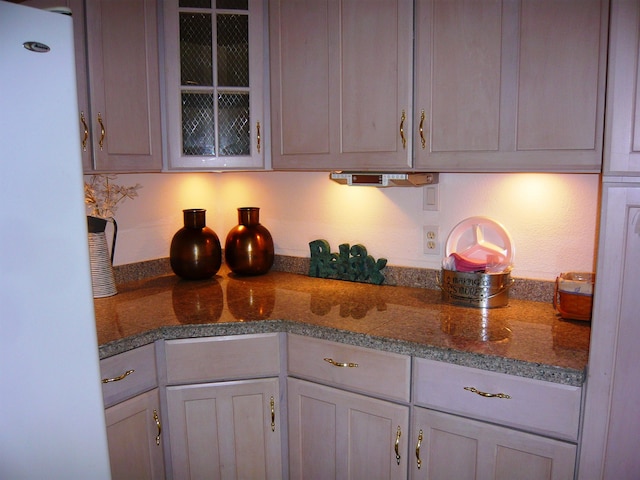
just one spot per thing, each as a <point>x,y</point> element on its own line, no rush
<point>214,84</point>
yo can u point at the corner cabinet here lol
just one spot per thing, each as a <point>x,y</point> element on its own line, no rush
<point>224,419</point>
<point>214,68</point>
<point>123,125</point>
<point>511,85</point>
<point>341,84</point>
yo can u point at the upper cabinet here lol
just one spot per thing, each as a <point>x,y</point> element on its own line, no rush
<point>124,119</point>
<point>116,49</point>
<point>511,85</point>
<point>77,12</point>
<point>214,62</point>
<point>341,84</point>
<point>499,85</point>
<point>622,134</point>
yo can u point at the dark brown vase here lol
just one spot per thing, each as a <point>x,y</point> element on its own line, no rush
<point>195,252</point>
<point>248,249</point>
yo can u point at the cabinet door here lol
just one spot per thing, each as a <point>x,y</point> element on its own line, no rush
<point>449,447</point>
<point>341,84</point>
<point>122,45</point>
<point>214,84</point>
<point>337,434</point>
<point>225,430</point>
<point>611,423</point>
<point>510,85</point>
<point>135,443</point>
<point>77,12</point>
<point>622,126</point>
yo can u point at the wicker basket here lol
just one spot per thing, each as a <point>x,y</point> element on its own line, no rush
<point>573,305</point>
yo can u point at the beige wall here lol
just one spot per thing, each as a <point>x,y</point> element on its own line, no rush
<point>551,218</point>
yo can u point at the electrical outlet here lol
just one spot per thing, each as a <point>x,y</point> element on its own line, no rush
<point>431,237</point>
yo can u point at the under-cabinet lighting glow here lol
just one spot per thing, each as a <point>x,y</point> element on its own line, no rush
<point>535,193</point>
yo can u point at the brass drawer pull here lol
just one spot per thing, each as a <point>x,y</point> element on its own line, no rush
<point>117,379</point>
<point>272,404</point>
<point>397,445</point>
<point>488,395</point>
<point>157,420</point>
<point>418,445</point>
<point>259,137</point>
<point>102,131</point>
<point>86,131</point>
<point>340,364</point>
<point>422,139</point>
<point>402,119</point>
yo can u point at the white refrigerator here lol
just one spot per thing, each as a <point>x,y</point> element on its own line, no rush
<point>51,412</point>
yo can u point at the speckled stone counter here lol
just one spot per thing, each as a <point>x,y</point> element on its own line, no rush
<point>526,338</point>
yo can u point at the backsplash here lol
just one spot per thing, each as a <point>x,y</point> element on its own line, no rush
<point>523,289</point>
<point>552,218</point>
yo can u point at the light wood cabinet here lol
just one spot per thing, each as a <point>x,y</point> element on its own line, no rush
<point>338,434</point>
<point>215,88</point>
<point>335,432</point>
<point>224,418</point>
<point>510,85</point>
<point>341,84</point>
<point>546,408</point>
<point>80,50</point>
<point>449,447</point>
<point>134,433</point>
<point>622,127</point>
<point>225,430</point>
<point>610,441</point>
<point>124,118</point>
<point>133,417</point>
<point>486,425</point>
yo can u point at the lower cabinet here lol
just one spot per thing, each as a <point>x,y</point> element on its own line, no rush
<point>337,434</point>
<point>448,447</point>
<point>134,432</point>
<point>225,430</point>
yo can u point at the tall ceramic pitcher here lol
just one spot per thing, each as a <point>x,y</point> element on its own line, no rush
<point>102,279</point>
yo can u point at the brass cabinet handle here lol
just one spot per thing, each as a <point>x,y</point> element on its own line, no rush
<point>157,419</point>
<point>340,364</point>
<point>117,379</point>
<point>418,445</point>
<point>272,403</point>
<point>422,140</point>
<point>86,132</point>
<point>103,133</point>
<point>402,119</point>
<point>397,446</point>
<point>258,136</point>
<point>488,395</point>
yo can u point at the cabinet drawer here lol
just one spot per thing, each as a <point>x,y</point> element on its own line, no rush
<point>542,407</point>
<point>222,358</point>
<point>131,373</point>
<point>378,373</point>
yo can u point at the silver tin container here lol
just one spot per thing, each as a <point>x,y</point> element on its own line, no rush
<point>480,290</point>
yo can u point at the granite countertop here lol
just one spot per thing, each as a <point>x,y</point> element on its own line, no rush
<point>525,338</point>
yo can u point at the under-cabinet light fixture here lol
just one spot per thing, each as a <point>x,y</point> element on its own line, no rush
<point>383,179</point>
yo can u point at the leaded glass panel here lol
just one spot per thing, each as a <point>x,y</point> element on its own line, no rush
<point>198,124</point>
<point>233,50</point>
<point>196,62</point>
<point>233,124</point>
